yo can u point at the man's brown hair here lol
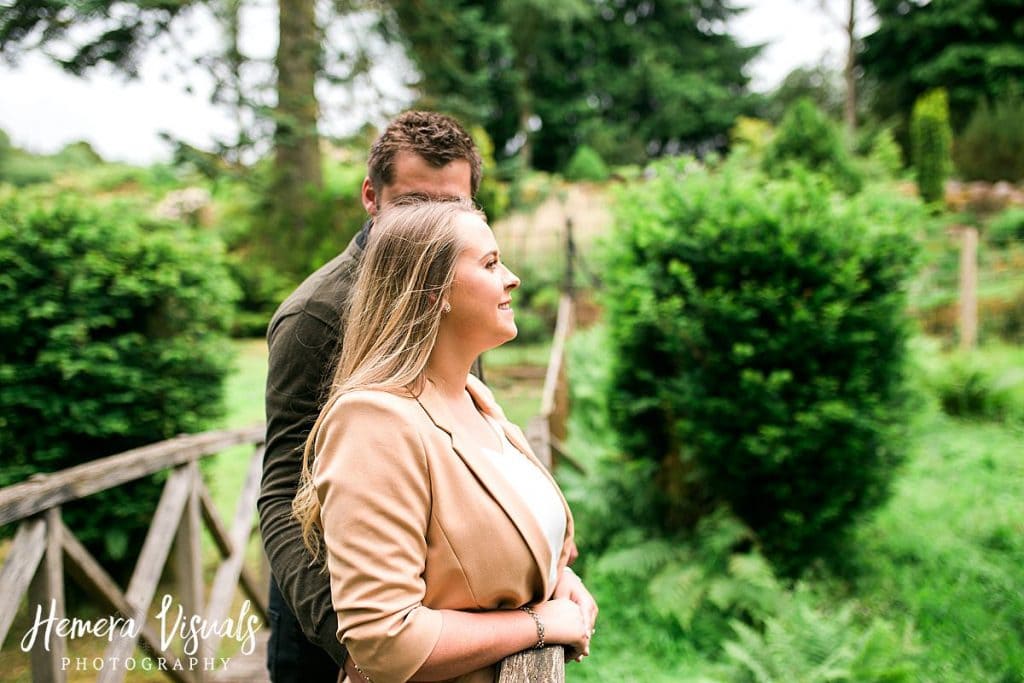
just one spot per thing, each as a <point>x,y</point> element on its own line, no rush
<point>436,138</point>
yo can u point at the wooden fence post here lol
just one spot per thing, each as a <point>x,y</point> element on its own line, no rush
<point>188,559</point>
<point>534,666</point>
<point>570,260</point>
<point>23,559</point>
<point>47,591</point>
<point>968,287</point>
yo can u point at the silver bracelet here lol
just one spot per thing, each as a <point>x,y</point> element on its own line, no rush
<point>540,626</point>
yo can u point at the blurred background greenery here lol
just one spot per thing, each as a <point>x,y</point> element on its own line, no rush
<point>795,465</point>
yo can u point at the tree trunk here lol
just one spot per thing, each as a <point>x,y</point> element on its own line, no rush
<point>228,12</point>
<point>297,172</point>
<point>850,70</point>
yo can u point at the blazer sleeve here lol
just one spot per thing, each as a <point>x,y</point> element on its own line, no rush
<point>373,484</point>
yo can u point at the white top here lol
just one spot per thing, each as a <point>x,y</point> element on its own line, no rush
<point>535,488</point>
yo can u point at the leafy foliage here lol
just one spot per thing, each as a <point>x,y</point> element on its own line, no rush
<point>1006,228</point>
<point>758,336</point>
<point>803,643</point>
<point>990,147</point>
<point>115,31</point>
<point>821,84</point>
<point>111,339</point>
<point>808,137</point>
<point>266,262</point>
<point>586,164</point>
<point>885,153</point>
<point>930,139</point>
<point>20,168</point>
<point>493,195</point>
<point>973,49</point>
<point>750,135</point>
<point>970,387</point>
<point>631,79</point>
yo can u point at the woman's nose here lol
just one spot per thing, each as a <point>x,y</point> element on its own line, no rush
<point>512,281</point>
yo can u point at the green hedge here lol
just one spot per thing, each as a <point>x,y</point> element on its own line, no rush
<point>758,332</point>
<point>930,141</point>
<point>991,147</point>
<point>586,165</point>
<point>110,338</point>
<point>807,137</point>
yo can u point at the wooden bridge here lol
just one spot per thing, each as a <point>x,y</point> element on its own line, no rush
<point>45,553</point>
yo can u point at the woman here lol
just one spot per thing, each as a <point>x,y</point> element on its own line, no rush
<point>447,541</point>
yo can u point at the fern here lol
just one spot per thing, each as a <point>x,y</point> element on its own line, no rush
<point>678,591</point>
<point>702,572</point>
<point>802,644</point>
<point>641,560</point>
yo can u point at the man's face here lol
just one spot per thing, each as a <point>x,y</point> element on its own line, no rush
<point>413,174</point>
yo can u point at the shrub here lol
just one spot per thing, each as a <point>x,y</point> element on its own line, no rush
<point>968,386</point>
<point>990,146</point>
<point>885,153</point>
<point>493,195</point>
<point>930,138</point>
<point>586,165</point>
<point>750,134</point>
<point>758,336</point>
<point>266,263</point>
<point>807,137</point>
<point>110,338</point>
<point>1006,228</point>
<point>1003,317</point>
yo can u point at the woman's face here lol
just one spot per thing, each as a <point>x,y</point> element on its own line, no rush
<point>481,313</point>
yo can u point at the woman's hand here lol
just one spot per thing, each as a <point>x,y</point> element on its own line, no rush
<point>565,624</point>
<point>571,587</point>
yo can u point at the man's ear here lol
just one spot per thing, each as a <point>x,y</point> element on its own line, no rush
<point>369,197</point>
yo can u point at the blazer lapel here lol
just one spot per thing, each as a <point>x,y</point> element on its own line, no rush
<point>483,398</point>
<point>492,480</point>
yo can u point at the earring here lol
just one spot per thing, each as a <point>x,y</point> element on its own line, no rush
<point>447,308</point>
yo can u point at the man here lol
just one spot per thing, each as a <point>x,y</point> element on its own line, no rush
<point>418,153</point>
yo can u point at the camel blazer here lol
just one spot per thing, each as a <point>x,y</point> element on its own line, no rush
<point>417,520</point>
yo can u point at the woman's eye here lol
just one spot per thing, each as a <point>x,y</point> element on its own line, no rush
<point>491,264</point>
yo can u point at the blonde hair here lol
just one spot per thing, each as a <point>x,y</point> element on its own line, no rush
<point>393,317</point>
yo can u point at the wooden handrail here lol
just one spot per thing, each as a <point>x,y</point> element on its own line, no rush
<point>47,490</point>
<point>36,562</point>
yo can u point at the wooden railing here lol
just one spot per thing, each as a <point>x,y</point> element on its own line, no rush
<point>43,548</point>
<point>546,431</point>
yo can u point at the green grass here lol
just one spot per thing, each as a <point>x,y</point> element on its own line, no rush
<point>947,552</point>
<point>515,373</point>
<point>243,398</point>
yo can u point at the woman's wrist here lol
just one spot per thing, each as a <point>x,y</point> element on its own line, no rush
<point>538,624</point>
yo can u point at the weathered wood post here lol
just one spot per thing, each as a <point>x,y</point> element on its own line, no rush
<point>47,592</point>
<point>188,559</point>
<point>968,320</point>
<point>533,666</point>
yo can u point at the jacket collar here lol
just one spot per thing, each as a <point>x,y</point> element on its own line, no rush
<point>494,481</point>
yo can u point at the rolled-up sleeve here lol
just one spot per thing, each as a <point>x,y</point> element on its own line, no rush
<point>373,484</point>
